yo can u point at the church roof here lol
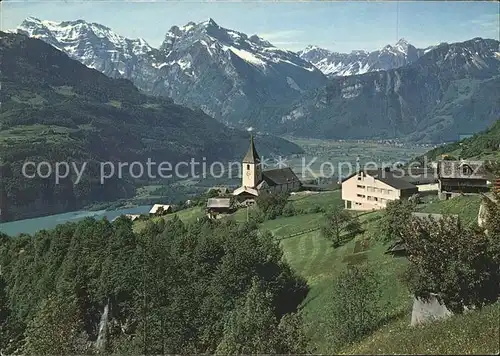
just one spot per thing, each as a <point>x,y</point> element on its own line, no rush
<point>279,176</point>
<point>251,156</point>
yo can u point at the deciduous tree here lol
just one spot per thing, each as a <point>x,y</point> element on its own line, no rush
<point>395,216</point>
<point>339,221</point>
<point>459,264</point>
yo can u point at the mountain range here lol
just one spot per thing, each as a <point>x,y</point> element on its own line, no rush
<point>55,109</point>
<point>229,75</point>
<point>452,89</point>
<point>334,64</point>
<point>400,91</point>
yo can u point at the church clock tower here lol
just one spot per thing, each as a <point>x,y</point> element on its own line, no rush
<point>252,169</point>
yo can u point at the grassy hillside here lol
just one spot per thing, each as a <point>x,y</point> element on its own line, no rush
<point>314,258</point>
<point>474,333</point>
<point>466,207</point>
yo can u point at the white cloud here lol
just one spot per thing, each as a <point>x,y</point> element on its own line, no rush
<point>281,35</point>
<point>486,21</point>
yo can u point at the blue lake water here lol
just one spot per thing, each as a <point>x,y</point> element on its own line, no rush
<point>30,226</point>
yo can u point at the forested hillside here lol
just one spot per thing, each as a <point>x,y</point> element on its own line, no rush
<point>171,289</point>
<point>483,145</point>
<point>54,109</point>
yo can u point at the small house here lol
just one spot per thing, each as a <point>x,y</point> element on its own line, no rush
<point>397,249</point>
<point>132,217</point>
<point>217,206</point>
<point>160,209</point>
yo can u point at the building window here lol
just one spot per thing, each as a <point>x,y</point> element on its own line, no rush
<point>466,170</point>
<point>361,186</point>
<point>248,166</point>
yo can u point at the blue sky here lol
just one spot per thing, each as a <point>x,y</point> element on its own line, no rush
<point>339,26</point>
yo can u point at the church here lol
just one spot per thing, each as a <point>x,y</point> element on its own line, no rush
<point>255,181</point>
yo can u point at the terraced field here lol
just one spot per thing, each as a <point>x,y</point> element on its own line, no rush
<point>314,258</point>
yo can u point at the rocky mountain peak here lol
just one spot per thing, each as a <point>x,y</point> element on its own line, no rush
<point>335,64</point>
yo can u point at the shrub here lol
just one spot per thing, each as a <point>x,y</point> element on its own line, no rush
<point>289,210</point>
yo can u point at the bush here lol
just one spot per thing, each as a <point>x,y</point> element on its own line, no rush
<point>289,210</point>
<point>272,205</point>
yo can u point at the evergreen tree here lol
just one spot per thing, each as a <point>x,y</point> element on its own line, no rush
<point>251,327</point>
<point>55,329</point>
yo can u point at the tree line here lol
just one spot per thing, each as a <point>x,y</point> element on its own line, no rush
<point>96,286</point>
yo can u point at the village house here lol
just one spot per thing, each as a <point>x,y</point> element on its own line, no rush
<point>160,209</point>
<point>218,206</point>
<point>373,189</point>
<point>255,181</point>
<point>461,177</point>
<point>132,217</point>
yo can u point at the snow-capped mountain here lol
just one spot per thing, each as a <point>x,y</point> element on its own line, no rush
<point>451,89</point>
<point>233,77</point>
<point>335,64</point>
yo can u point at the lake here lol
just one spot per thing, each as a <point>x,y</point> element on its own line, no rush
<point>30,226</point>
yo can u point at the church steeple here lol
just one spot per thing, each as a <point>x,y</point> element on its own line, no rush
<point>252,171</point>
<point>252,156</point>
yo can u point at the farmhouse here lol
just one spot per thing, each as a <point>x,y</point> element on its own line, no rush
<point>255,181</point>
<point>217,206</point>
<point>160,209</point>
<point>372,189</point>
<point>461,177</point>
